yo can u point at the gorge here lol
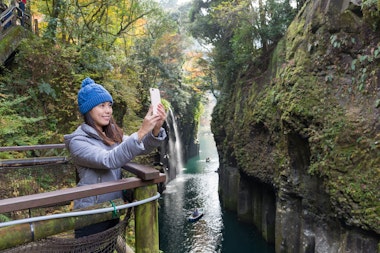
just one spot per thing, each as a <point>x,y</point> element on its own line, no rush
<point>298,138</point>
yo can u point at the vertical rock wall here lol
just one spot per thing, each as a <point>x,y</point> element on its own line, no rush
<point>293,223</point>
<point>304,165</point>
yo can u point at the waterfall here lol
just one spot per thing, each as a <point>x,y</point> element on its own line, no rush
<point>175,154</point>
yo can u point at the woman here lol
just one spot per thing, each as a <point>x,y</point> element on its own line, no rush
<point>99,149</point>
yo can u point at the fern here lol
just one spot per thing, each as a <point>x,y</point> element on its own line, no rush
<point>14,127</point>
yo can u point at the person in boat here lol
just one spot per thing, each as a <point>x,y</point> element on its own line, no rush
<point>99,147</point>
<point>196,212</point>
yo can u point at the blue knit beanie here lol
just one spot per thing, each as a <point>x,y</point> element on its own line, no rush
<point>91,94</point>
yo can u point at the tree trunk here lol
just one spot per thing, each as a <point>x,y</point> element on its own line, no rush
<point>53,22</point>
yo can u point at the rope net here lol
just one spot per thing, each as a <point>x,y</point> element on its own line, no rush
<point>108,241</point>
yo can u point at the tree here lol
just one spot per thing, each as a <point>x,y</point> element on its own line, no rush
<point>15,129</point>
<point>241,31</point>
<point>127,46</point>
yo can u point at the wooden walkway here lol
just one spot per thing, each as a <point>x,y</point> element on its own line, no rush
<point>12,32</point>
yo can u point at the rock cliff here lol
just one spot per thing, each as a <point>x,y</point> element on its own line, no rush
<point>304,164</point>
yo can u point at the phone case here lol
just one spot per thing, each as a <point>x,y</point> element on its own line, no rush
<point>155,98</point>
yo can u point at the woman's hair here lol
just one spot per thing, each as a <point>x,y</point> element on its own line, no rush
<point>111,134</point>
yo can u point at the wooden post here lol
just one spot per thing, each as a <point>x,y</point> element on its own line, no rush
<point>36,30</point>
<point>146,221</point>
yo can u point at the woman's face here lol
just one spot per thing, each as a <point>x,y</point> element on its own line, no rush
<point>101,114</point>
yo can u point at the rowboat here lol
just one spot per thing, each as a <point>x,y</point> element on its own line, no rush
<point>196,215</point>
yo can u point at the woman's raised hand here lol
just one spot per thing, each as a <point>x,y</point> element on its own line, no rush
<point>152,122</point>
<point>162,114</point>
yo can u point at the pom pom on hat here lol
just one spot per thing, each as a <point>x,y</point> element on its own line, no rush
<point>91,94</point>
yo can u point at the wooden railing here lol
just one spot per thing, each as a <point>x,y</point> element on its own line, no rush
<point>13,28</point>
<point>11,17</point>
<point>144,185</point>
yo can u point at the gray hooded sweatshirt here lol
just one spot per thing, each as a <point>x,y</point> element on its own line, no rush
<point>97,162</point>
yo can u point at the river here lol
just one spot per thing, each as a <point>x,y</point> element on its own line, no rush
<point>218,231</point>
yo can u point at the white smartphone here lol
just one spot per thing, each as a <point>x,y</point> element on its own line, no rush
<point>155,98</point>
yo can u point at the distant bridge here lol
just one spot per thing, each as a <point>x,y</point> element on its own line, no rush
<point>14,26</point>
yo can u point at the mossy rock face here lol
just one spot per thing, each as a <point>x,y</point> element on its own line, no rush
<point>323,87</point>
<point>10,41</point>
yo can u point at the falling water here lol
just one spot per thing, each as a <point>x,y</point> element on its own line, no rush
<point>175,146</point>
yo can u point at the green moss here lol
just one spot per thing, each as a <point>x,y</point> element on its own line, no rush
<point>308,95</point>
<point>10,42</point>
<point>354,175</point>
<point>371,13</point>
<point>295,37</point>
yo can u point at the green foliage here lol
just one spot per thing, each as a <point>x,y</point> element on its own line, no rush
<point>377,103</point>
<point>369,3</point>
<point>16,129</point>
<point>239,31</point>
<point>334,41</point>
<point>45,75</point>
<point>4,218</point>
<point>166,104</point>
<point>371,13</point>
<point>125,46</point>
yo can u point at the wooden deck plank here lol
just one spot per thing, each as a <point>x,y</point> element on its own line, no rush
<point>142,171</point>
